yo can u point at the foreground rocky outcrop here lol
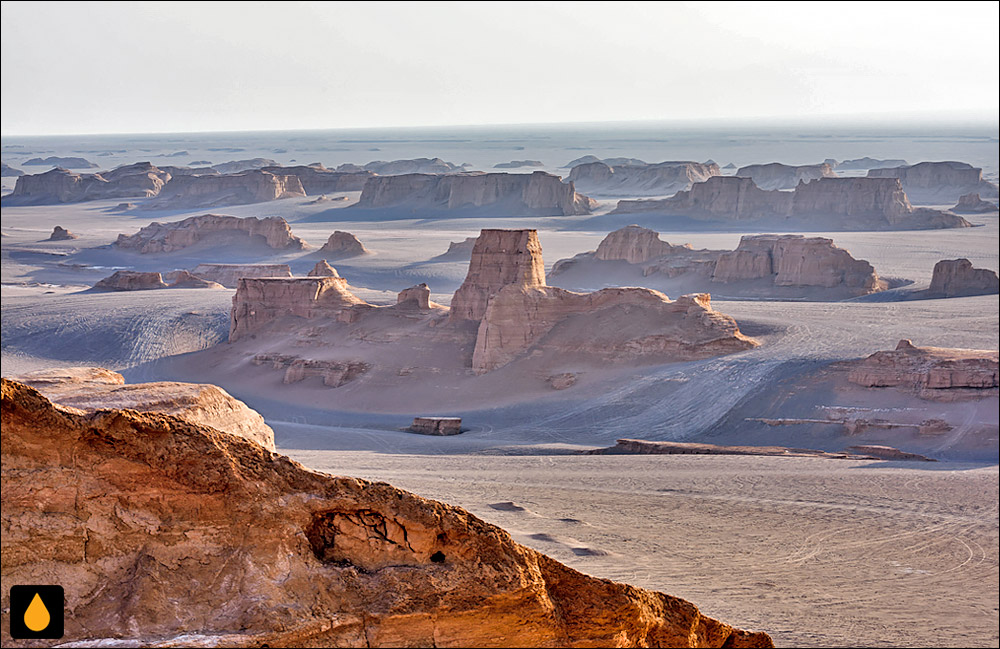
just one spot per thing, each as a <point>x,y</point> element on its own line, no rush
<point>162,531</point>
<point>317,179</point>
<point>141,180</point>
<point>933,371</point>
<point>781,176</point>
<point>271,231</point>
<point>535,194</point>
<point>229,275</point>
<point>835,203</point>
<point>644,179</point>
<point>957,277</point>
<point>973,204</point>
<point>94,388</point>
<point>341,245</point>
<point>60,233</point>
<point>253,186</point>
<point>130,280</point>
<point>939,183</point>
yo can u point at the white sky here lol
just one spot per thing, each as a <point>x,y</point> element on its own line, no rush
<point>144,67</point>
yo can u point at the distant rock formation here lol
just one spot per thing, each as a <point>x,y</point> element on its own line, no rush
<point>401,167</point>
<point>272,231</point>
<point>56,161</point>
<point>322,269</point>
<point>333,561</point>
<point>957,277</point>
<point>647,179</point>
<point>130,280</point>
<point>634,244</point>
<point>518,164</point>
<point>185,279</point>
<point>499,257</point>
<point>122,207</point>
<point>929,370</point>
<point>939,183</point>
<point>973,204</point>
<point>239,166</point>
<point>861,164</point>
<point>189,171</point>
<point>646,447</point>
<point>7,171</point>
<point>611,162</point>
<point>253,186</point>
<point>229,275</point>
<point>780,176</point>
<point>317,179</point>
<point>458,250</point>
<point>90,389</point>
<point>59,233</point>
<point>535,194</point>
<point>839,203</point>
<point>341,245</point>
<point>141,180</point>
<point>417,297</point>
<point>258,301</point>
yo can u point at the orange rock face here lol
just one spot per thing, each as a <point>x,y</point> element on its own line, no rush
<point>130,280</point>
<point>272,231</point>
<point>323,269</point>
<point>957,277</point>
<point>499,258</point>
<point>341,245</point>
<point>260,300</point>
<point>165,531</point>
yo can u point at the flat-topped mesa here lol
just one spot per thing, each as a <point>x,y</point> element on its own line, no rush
<point>141,180</point>
<point>259,301</point>
<point>237,166</point>
<point>634,244</point>
<point>863,164</point>
<point>317,179</point>
<point>662,178</point>
<point>534,194</point>
<point>794,260</point>
<point>611,325</point>
<point>939,182</point>
<point>957,277</point>
<point>414,166</point>
<point>59,233</point>
<point>253,186</point>
<point>130,280</point>
<point>973,204</point>
<point>272,231</point>
<point>229,275</point>
<point>334,561</point>
<point>94,388</point>
<point>341,245</point>
<point>875,203</point>
<point>781,176</point>
<point>929,368</point>
<point>499,257</point>
<point>323,269</point>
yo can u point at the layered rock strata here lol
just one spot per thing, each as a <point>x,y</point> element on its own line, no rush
<point>929,369</point>
<point>322,269</point>
<point>939,182</point>
<point>781,176</point>
<point>317,179</point>
<point>499,257</point>
<point>535,194</point>
<point>333,373</point>
<point>957,277</point>
<point>341,245</point>
<point>634,244</point>
<point>229,275</point>
<point>130,280</point>
<point>416,297</point>
<point>254,186</point>
<point>647,179</point>
<point>261,300</point>
<point>436,425</point>
<point>271,231</point>
<point>155,527</point>
<point>141,180</point>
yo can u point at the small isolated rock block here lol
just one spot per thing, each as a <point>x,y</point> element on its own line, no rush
<point>59,233</point>
<point>436,425</point>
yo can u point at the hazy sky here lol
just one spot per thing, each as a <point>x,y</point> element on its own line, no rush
<point>81,67</point>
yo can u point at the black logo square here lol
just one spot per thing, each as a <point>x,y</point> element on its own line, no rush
<point>36,612</point>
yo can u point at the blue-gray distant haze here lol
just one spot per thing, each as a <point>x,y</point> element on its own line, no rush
<point>140,67</point>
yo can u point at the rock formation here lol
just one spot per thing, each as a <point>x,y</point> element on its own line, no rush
<point>518,164</point>
<point>957,277</point>
<point>436,425</point>
<point>635,245</point>
<point>939,183</point>
<point>190,171</point>
<point>780,176</point>
<point>973,204</point>
<point>929,370</point>
<point>587,159</point>
<point>254,186</point>
<point>184,279</point>
<point>458,250</point>
<point>130,280</point>
<point>272,231</point>
<point>258,301</point>
<point>165,531</point>
<point>794,260</point>
<point>60,233</point>
<point>342,245</point>
<point>417,297</point>
<point>400,167</point>
<point>322,269</point>
<point>141,180</point>
<point>90,389</point>
<point>333,373</point>
<point>499,258</point>
<point>229,275</point>
<point>56,161</point>
<point>317,179</point>
<point>239,166</point>
<point>663,178</point>
<point>535,194</point>
<point>841,203</point>
<point>862,164</point>
<point>6,171</point>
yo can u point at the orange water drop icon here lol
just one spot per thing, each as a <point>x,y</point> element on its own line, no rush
<point>36,617</point>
